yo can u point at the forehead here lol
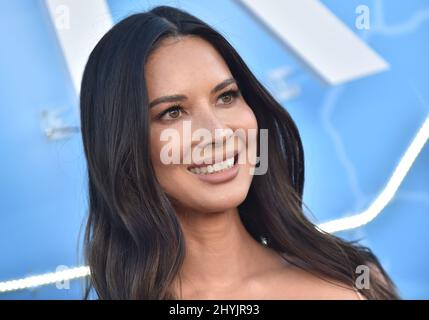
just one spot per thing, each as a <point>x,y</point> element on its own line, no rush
<point>182,64</point>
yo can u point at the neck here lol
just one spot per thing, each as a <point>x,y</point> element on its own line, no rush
<point>220,252</point>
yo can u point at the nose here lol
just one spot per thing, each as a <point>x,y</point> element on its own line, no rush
<point>220,131</point>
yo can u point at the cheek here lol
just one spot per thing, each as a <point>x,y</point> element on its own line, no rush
<point>161,169</point>
<point>155,147</point>
<point>169,175</point>
<point>246,119</point>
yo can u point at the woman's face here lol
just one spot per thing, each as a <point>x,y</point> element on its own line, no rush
<point>197,123</point>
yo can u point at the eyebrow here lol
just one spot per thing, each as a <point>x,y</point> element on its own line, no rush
<point>181,97</point>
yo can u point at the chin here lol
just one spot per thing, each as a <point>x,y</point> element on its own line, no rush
<point>221,201</point>
<point>198,196</point>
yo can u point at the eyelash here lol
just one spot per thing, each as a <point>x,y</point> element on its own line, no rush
<point>233,92</point>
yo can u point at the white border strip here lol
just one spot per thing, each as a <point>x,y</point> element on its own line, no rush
<point>79,25</point>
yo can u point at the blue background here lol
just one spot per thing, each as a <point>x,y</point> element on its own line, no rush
<point>353,134</point>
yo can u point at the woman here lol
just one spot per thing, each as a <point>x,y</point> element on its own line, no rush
<point>162,229</point>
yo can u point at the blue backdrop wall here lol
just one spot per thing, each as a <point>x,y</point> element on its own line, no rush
<point>354,135</point>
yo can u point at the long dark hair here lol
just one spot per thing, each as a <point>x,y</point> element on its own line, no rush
<point>133,242</point>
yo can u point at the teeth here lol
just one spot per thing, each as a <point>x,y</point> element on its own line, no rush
<point>228,163</point>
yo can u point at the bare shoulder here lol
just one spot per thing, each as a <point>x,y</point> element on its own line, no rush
<point>294,283</point>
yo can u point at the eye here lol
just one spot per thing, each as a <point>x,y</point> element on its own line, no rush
<point>171,113</point>
<point>229,96</point>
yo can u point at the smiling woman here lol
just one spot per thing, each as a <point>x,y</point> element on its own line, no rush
<point>192,229</point>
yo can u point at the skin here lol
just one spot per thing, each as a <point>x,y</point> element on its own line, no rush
<point>222,260</point>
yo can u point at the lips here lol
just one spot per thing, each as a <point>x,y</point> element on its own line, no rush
<point>217,173</point>
<point>217,167</point>
<point>211,162</point>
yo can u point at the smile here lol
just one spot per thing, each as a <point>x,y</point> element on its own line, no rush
<point>219,172</point>
<point>217,167</point>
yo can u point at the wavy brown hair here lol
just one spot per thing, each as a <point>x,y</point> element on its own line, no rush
<point>133,241</point>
